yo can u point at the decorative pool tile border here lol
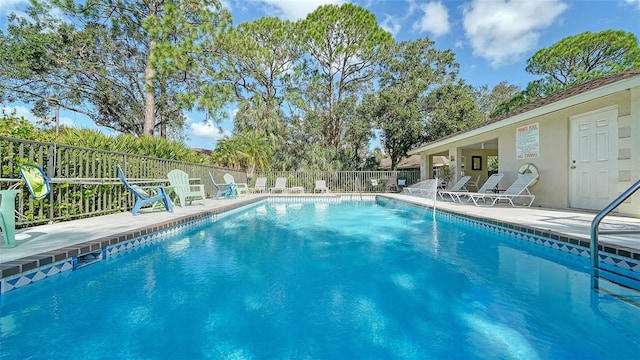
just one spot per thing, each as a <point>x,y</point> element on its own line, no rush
<point>610,255</point>
<point>23,272</point>
<point>17,281</point>
<point>19,273</point>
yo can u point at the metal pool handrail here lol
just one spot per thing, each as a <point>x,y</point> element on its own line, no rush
<point>595,231</point>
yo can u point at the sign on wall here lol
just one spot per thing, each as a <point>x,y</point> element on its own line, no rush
<point>528,141</point>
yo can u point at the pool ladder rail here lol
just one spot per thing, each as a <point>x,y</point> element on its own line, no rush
<point>618,276</point>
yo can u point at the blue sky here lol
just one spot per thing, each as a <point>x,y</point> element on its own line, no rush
<point>492,39</point>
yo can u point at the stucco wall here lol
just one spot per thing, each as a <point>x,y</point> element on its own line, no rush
<point>629,151</point>
<point>552,189</point>
<point>553,162</point>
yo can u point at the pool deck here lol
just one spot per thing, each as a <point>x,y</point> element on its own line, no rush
<point>41,245</point>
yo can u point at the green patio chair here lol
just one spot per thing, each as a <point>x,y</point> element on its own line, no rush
<point>38,185</point>
<point>182,187</point>
<point>7,216</point>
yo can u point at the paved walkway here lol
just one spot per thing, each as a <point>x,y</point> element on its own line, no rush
<point>49,238</point>
<point>569,223</point>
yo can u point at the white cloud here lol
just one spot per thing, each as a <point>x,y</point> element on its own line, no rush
<point>11,4</point>
<point>67,122</point>
<point>22,111</point>
<point>391,24</point>
<point>634,2</point>
<point>296,9</point>
<point>501,31</point>
<point>434,19</point>
<point>226,4</point>
<point>207,129</point>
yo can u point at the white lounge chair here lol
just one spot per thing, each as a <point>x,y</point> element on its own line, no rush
<point>240,188</point>
<point>518,191</point>
<point>426,188</point>
<point>280,186</point>
<point>183,189</point>
<point>459,186</point>
<point>474,183</point>
<point>392,184</point>
<point>260,186</point>
<point>421,186</point>
<point>321,186</point>
<point>489,186</point>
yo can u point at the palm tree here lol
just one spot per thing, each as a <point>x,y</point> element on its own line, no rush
<point>246,150</point>
<point>255,150</point>
<point>227,153</point>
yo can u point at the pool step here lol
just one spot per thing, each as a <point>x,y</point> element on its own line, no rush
<point>624,277</point>
<point>621,283</point>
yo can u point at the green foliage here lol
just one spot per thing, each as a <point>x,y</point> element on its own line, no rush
<point>492,163</point>
<point>344,43</point>
<point>310,94</point>
<point>583,57</point>
<point>57,62</point>
<point>399,117</point>
<point>247,150</point>
<point>185,54</point>
<point>13,126</point>
<point>574,60</point>
<point>488,100</point>
<point>408,72</point>
<point>258,57</point>
<point>128,65</point>
<point>451,108</point>
<point>127,143</point>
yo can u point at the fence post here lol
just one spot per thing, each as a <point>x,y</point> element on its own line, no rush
<point>51,166</point>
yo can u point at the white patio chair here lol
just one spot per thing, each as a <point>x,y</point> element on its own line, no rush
<point>474,183</point>
<point>519,190</point>
<point>321,186</point>
<point>459,186</point>
<point>488,186</point>
<point>260,185</point>
<point>280,186</point>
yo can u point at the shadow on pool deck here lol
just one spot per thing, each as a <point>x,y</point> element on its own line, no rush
<point>42,245</point>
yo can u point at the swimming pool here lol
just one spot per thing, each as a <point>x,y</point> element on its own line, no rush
<point>323,280</point>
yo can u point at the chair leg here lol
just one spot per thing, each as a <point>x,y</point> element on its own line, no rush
<point>136,207</point>
<point>167,203</point>
<point>7,216</point>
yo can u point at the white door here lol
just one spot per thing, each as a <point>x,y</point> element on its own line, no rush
<point>594,171</point>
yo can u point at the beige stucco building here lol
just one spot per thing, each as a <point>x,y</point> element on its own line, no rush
<point>584,142</point>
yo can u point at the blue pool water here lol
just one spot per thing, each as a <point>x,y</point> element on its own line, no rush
<point>323,281</point>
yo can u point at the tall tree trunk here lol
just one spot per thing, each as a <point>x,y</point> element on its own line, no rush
<point>150,99</point>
